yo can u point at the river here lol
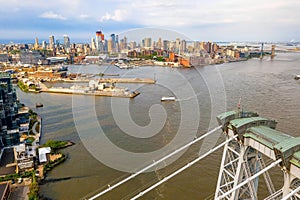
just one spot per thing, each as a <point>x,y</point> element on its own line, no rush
<point>265,86</point>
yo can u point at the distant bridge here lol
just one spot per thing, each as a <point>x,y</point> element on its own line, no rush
<point>250,140</point>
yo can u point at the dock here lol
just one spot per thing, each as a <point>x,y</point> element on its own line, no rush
<point>113,80</point>
<point>127,80</point>
<point>117,93</point>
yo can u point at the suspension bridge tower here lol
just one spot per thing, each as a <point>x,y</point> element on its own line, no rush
<point>252,147</point>
<point>243,158</point>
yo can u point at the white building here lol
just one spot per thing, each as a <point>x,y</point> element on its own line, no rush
<point>43,154</point>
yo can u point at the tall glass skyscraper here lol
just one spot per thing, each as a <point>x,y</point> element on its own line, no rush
<point>66,42</point>
<point>9,128</point>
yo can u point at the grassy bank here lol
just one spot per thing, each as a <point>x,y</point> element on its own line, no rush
<point>34,189</point>
<point>22,86</point>
<point>57,144</point>
<point>10,177</point>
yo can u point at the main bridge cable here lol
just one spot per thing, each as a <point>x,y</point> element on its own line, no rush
<point>292,193</point>
<point>183,168</point>
<point>111,187</point>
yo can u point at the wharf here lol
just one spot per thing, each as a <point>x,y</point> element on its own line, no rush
<point>76,80</point>
<point>127,80</point>
<point>114,80</point>
<point>117,93</point>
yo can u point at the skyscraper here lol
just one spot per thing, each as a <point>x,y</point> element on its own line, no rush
<point>100,41</point>
<point>93,44</point>
<point>159,44</point>
<point>9,128</point>
<point>165,45</point>
<point>113,39</point>
<point>66,42</point>
<point>117,39</point>
<point>147,42</point>
<point>36,44</point>
<point>117,43</point>
<point>110,45</point>
<point>177,44</point>
<point>182,46</point>
<point>132,45</point>
<point>172,45</point>
<point>44,44</point>
<point>123,43</point>
<point>51,42</point>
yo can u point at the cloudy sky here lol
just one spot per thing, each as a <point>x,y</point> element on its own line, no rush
<point>213,20</point>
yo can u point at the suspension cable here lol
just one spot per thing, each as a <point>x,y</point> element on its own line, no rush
<point>111,187</point>
<point>183,168</point>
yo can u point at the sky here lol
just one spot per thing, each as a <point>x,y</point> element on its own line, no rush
<point>203,20</point>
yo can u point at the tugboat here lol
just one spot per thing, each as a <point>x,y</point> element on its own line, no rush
<point>39,105</point>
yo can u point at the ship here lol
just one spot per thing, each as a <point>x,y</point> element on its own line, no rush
<point>168,99</point>
<point>97,89</point>
<point>62,68</point>
<point>38,105</point>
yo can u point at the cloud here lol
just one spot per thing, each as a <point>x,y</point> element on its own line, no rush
<point>118,15</point>
<point>229,19</point>
<point>83,16</point>
<point>52,15</point>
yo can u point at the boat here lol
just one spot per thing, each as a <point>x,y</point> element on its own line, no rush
<point>62,68</point>
<point>168,99</point>
<point>38,105</point>
<point>297,77</point>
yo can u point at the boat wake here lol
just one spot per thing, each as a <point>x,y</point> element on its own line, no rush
<point>189,98</point>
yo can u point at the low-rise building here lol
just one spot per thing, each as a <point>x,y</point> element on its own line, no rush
<point>43,154</point>
<point>24,155</point>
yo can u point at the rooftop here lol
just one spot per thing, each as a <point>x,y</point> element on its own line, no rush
<point>4,75</point>
<point>243,121</point>
<point>43,154</point>
<point>288,144</point>
<point>226,114</point>
<point>266,136</point>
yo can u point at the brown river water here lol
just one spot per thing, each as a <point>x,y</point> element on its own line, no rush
<point>267,87</point>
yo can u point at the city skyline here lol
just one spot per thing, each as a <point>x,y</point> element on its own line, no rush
<point>208,21</point>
